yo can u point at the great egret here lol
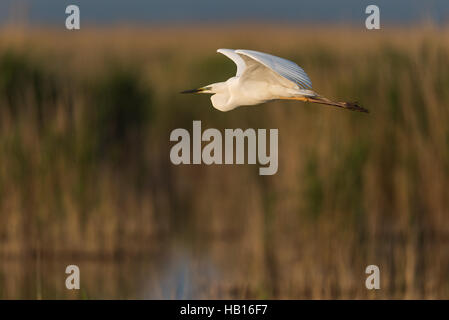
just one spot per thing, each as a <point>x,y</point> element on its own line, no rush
<point>262,77</point>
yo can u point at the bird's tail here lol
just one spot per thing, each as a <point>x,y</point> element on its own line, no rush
<point>346,105</point>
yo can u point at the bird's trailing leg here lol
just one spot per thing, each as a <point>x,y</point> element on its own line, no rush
<point>322,100</point>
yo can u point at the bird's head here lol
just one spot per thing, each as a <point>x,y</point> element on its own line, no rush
<point>220,95</point>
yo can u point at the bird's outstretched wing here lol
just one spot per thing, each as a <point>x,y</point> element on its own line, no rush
<point>285,68</point>
<point>230,53</point>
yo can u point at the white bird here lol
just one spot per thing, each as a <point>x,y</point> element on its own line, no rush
<point>262,77</point>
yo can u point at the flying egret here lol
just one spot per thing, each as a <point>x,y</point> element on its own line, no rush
<point>262,77</point>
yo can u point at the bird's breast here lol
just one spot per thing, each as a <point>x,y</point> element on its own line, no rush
<point>250,93</point>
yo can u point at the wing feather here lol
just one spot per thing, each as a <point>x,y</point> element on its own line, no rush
<point>285,68</point>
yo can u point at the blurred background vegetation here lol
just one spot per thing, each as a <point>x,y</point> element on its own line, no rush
<point>85,175</point>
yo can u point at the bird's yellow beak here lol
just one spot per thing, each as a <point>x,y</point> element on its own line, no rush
<point>199,90</point>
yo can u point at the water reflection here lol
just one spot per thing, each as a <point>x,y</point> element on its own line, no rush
<point>176,273</point>
<point>225,269</point>
<point>182,277</point>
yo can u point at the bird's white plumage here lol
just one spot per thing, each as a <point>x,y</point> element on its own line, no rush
<point>285,68</point>
<point>260,77</point>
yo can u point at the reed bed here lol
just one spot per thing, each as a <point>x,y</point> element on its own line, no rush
<point>85,175</point>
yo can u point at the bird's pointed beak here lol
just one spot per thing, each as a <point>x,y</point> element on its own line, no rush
<point>198,90</point>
